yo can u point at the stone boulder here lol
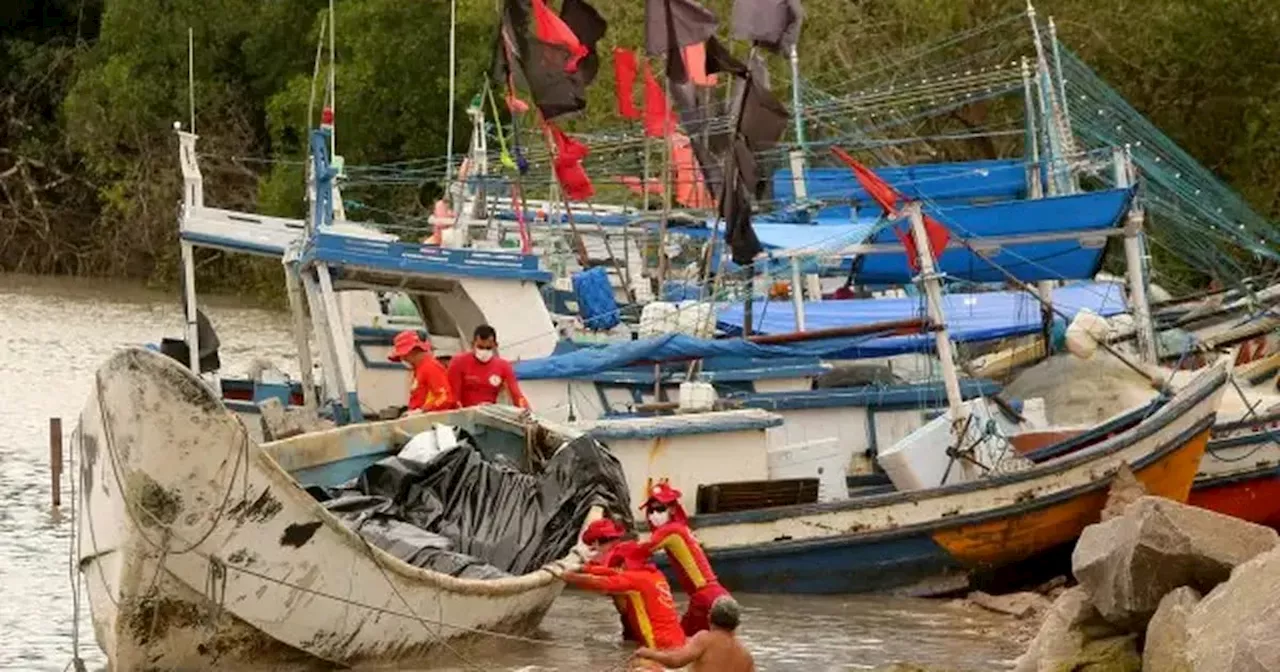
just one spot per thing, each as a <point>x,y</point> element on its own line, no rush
<point>1165,649</point>
<point>1127,564</point>
<point>1068,635</point>
<point>1125,489</point>
<point>1236,628</point>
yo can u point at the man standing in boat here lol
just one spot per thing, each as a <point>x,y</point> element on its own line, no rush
<point>430,390</point>
<point>669,525</point>
<point>641,583</point>
<point>479,375</point>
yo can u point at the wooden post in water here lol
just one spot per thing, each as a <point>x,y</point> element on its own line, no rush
<point>55,459</point>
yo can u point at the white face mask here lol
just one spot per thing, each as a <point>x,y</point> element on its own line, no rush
<point>484,354</point>
<point>659,518</point>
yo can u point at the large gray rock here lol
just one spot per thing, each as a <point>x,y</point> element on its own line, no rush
<point>1165,649</point>
<point>1069,629</point>
<point>1128,563</point>
<point>1236,628</point>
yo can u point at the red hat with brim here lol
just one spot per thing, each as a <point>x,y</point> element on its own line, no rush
<point>668,497</point>
<point>406,342</point>
<point>602,530</point>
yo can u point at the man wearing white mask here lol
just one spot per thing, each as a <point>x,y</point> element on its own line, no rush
<point>479,375</point>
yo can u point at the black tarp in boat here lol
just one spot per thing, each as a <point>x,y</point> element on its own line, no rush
<point>468,516</point>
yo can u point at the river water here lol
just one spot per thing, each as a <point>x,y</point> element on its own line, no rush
<point>53,335</point>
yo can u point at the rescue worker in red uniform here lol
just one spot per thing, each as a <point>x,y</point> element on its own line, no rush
<point>430,389</point>
<point>602,537</point>
<point>479,375</point>
<point>669,531</point>
<point>649,597</point>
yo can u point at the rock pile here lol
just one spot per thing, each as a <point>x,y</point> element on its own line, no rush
<point>1139,605</point>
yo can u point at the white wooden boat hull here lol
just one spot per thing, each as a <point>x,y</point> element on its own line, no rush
<point>199,551</point>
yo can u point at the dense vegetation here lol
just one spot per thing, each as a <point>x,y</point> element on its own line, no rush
<point>89,91</point>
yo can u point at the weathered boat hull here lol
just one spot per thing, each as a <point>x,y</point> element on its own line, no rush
<point>199,551</point>
<point>929,541</point>
<point>1240,476</point>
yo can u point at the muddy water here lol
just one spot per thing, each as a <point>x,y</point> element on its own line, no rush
<point>54,333</point>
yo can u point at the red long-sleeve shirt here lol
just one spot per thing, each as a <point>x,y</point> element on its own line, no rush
<point>688,561</point>
<point>430,390</point>
<point>475,382</point>
<point>652,609</point>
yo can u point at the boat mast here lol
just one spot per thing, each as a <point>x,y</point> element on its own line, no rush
<point>798,167</point>
<point>1135,266</point>
<point>193,197</point>
<point>453,74</point>
<point>930,280</point>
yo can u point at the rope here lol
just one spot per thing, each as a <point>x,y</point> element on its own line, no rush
<point>215,587</point>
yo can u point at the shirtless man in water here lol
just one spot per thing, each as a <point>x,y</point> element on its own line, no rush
<point>714,650</point>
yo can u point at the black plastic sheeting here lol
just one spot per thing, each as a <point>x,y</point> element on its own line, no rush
<point>467,516</point>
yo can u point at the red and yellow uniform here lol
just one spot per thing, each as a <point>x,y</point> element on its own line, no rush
<point>650,604</point>
<point>688,561</point>
<point>476,382</point>
<point>430,389</point>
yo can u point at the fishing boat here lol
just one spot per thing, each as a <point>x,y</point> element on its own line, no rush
<point>930,541</point>
<point>200,548</point>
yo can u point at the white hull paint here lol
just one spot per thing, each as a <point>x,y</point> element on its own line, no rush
<point>879,514</point>
<point>199,551</point>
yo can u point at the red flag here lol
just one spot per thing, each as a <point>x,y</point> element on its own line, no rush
<point>887,197</point>
<point>695,63</point>
<point>551,29</point>
<point>658,118</point>
<point>568,166</point>
<point>690,188</point>
<point>624,72</point>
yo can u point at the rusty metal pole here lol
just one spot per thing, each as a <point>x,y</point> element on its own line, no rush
<point>55,459</point>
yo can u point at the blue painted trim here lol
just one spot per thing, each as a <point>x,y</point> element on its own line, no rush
<point>231,245</point>
<point>666,426</point>
<point>869,396</point>
<point>344,252</point>
<point>356,415</point>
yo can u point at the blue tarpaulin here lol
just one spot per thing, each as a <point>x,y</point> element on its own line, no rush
<point>970,317</point>
<point>1002,180</point>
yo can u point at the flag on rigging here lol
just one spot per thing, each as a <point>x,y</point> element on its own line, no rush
<point>771,24</point>
<point>590,27</point>
<point>659,120</point>
<point>671,25</point>
<point>552,29</point>
<point>568,166</point>
<point>887,198</point>
<point>624,75</point>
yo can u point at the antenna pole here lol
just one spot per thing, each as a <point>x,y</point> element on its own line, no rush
<point>191,75</point>
<point>333,85</point>
<point>453,74</point>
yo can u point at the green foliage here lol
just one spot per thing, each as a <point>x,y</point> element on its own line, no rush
<point>89,91</point>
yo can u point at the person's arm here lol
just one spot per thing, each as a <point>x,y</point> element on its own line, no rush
<point>679,544</point>
<point>691,651</point>
<point>513,387</point>
<point>439,392</point>
<point>615,582</point>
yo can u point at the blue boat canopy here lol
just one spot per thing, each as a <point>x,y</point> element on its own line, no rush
<point>964,181</point>
<point>970,317</point>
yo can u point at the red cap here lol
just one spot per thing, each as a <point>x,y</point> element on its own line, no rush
<point>406,342</point>
<point>661,494</point>
<point>669,497</point>
<point>604,529</point>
